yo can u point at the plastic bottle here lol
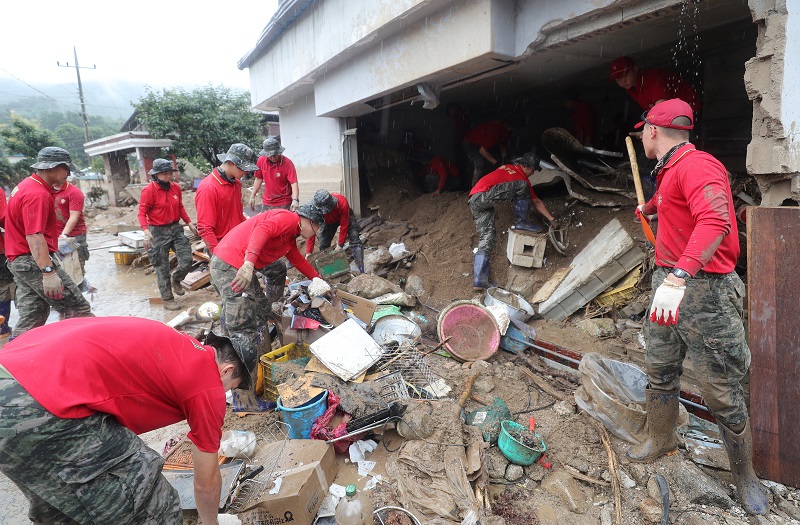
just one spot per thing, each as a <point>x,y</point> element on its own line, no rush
<point>355,508</point>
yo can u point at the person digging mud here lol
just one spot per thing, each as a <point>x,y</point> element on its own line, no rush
<point>219,196</point>
<point>437,174</point>
<point>480,143</point>
<point>337,214</point>
<point>257,245</point>
<point>160,211</point>
<point>279,178</point>
<point>696,249</point>
<point>31,243</point>
<point>68,430</point>
<point>507,182</point>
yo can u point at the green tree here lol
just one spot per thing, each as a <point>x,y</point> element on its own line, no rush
<point>11,174</point>
<point>201,123</point>
<point>26,137</point>
<point>73,137</point>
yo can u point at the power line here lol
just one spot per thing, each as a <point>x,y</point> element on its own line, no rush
<point>33,88</point>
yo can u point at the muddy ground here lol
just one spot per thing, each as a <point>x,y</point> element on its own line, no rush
<point>576,489</point>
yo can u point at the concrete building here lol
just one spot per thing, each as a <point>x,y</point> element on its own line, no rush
<point>333,69</point>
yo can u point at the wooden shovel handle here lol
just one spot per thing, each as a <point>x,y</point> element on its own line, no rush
<point>637,181</point>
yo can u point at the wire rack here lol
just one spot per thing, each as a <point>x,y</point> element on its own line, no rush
<point>268,450</point>
<point>404,358</point>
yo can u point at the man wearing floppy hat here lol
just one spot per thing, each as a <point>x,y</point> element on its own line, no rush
<point>651,86</point>
<point>160,212</point>
<point>507,182</point>
<point>696,309</point>
<point>257,244</point>
<point>338,214</point>
<point>31,243</point>
<point>279,178</point>
<point>70,415</point>
<point>219,196</point>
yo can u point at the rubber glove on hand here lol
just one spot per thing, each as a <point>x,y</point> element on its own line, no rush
<point>554,224</point>
<point>148,239</point>
<point>338,248</point>
<point>252,202</point>
<point>192,228</point>
<point>243,277</point>
<point>52,285</point>
<point>295,205</point>
<point>228,519</point>
<point>666,302</point>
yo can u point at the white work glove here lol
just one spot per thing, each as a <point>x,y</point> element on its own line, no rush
<point>338,248</point>
<point>252,202</point>
<point>228,519</point>
<point>295,205</point>
<point>640,213</point>
<point>52,285</point>
<point>192,228</point>
<point>148,239</point>
<point>243,277</point>
<point>666,301</point>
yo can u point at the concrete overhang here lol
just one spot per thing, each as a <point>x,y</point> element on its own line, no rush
<point>125,142</point>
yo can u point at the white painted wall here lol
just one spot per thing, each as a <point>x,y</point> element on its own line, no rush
<point>314,144</point>
<point>790,94</point>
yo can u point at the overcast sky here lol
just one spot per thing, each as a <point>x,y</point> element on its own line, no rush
<point>157,43</point>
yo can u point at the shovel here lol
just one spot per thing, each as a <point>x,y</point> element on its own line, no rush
<point>637,182</point>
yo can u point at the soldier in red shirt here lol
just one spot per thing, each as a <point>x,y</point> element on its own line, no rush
<point>436,174</point>
<point>69,218</point>
<point>507,182</point>
<point>74,396</point>
<point>257,244</point>
<point>697,245</point>
<point>480,143</point>
<point>160,211</point>
<point>279,178</point>
<point>338,214</point>
<point>31,243</point>
<point>219,196</point>
<point>651,86</point>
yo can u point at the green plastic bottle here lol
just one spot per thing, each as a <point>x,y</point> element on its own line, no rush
<point>355,508</point>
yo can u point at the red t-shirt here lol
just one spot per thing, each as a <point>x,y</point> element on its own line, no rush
<point>263,239</point>
<point>340,214</point>
<point>159,207</point>
<point>488,134</point>
<point>69,198</point>
<point>695,208</point>
<point>140,371</point>
<point>278,179</point>
<point>653,85</point>
<point>505,173</point>
<point>584,122</point>
<point>30,211</point>
<point>219,207</point>
<point>2,220</point>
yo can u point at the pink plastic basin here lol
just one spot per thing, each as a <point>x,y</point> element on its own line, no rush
<point>472,330</point>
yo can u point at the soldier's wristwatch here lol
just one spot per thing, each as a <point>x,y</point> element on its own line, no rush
<point>47,269</point>
<point>681,274</point>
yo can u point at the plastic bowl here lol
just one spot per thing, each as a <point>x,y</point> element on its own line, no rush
<point>472,330</point>
<point>516,452</point>
<point>517,307</point>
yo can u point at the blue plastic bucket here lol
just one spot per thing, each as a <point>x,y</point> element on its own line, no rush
<point>519,336</point>
<point>301,418</point>
<point>516,452</point>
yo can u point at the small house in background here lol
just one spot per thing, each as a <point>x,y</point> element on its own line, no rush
<point>95,187</point>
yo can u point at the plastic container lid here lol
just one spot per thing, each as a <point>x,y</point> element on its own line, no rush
<point>350,491</point>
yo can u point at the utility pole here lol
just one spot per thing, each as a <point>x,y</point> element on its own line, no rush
<point>80,92</point>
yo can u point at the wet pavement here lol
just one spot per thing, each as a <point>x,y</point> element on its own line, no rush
<point>121,290</point>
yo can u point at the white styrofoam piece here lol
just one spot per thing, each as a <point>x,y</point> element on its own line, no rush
<point>134,238</point>
<point>347,350</point>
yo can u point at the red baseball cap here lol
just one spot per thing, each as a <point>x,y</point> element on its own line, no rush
<point>620,66</point>
<point>663,113</point>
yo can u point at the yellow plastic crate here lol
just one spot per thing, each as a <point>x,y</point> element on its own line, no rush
<point>281,355</point>
<point>624,291</point>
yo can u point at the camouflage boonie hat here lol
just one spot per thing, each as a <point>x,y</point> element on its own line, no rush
<point>530,160</point>
<point>242,157</point>
<point>271,147</point>
<point>51,156</point>
<point>324,201</point>
<point>161,166</point>
<point>311,212</point>
<point>245,356</point>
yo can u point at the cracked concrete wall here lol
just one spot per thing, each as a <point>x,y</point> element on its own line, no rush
<point>772,80</point>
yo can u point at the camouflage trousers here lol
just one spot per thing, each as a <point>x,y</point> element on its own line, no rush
<point>91,470</point>
<point>33,305</point>
<point>83,250</point>
<point>480,166</point>
<point>266,207</point>
<point>327,231</point>
<point>482,207</point>
<point>164,238</point>
<point>245,314</point>
<point>711,333</point>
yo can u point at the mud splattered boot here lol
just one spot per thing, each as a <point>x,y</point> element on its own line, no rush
<point>481,271</point>
<point>177,289</point>
<point>662,418</point>
<point>522,209</point>
<point>740,453</point>
<point>358,257</point>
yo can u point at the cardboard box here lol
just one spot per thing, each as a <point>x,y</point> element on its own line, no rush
<point>334,315</point>
<point>307,468</point>
<point>362,308</point>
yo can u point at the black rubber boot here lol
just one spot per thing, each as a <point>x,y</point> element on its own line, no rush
<point>662,418</point>
<point>740,453</point>
<point>358,257</point>
<point>481,271</point>
<point>522,209</point>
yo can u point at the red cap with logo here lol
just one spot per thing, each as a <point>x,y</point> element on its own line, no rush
<point>663,113</point>
<point>620,66</point>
